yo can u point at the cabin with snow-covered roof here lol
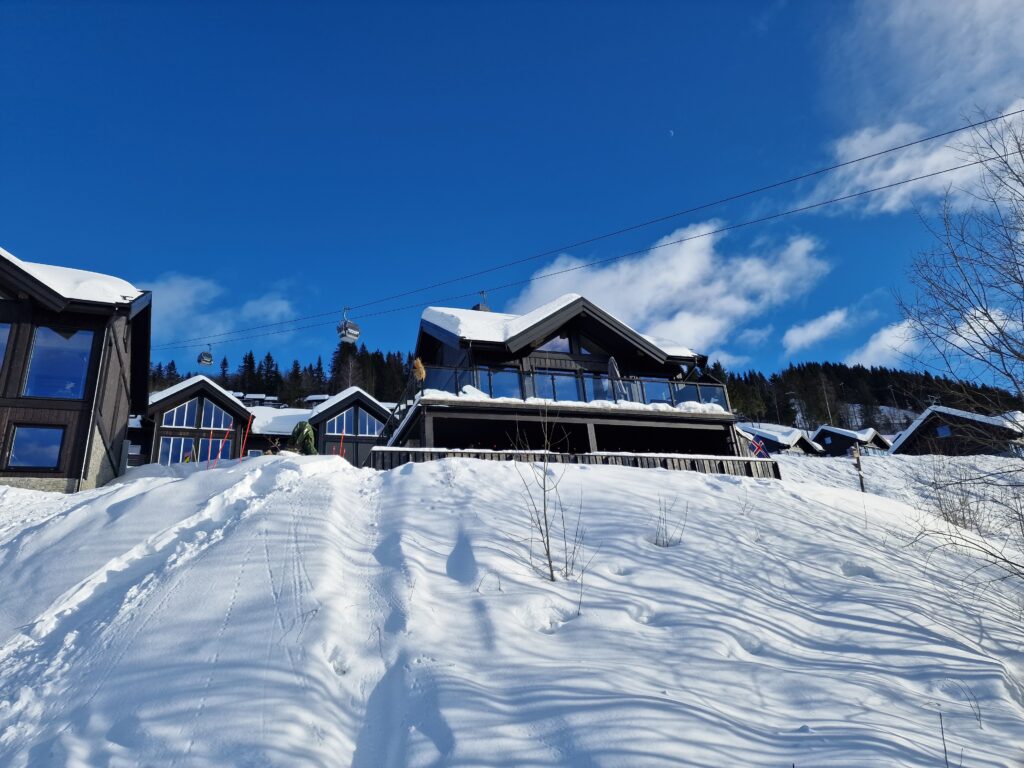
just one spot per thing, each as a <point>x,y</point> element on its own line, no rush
<point>349,424</point>
<point>75,363</point>
<point>945,431</point>
<point>567,376</point>
<point>836,441</point>
<point>775,438</point>
<point>196,420</point>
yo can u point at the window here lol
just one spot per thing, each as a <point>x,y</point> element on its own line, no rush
<point>5,334</point>
<point>555,344</point>
<point>182,416</point>
<point>556,385</point>
<point>827,441</point>
<point>943,430</point>
<point>252,452</point>
<point>598,387</point>
<point>657,392</point>
<point>505,383</point>
<point>587,347</point>
<point>59,364</point>
<point>214,450</point>
<point>714,393</point>
<point>342,424</point>
<point>36,447</point>
<point>215,417</point>
<point>174,450</point>
<point>368,425</point>
<point>685,393</point>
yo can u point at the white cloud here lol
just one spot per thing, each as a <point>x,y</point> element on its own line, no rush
<point>924,65</point>
<point>753,336</point>
<point>807,334</point>
<point>887,346</point>
<point>691,292</point>
<point>187,307</point>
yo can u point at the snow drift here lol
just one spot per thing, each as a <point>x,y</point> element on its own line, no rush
<point>297,611</point>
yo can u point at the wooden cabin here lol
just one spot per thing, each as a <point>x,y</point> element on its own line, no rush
<point>349,424</point>
<point>196,420</point>
<point>75,363</point>
<point>953,432</point>
<point>566,377</point>
<point>774,438</point>
<point>272,428</point>
<point>836,441</point>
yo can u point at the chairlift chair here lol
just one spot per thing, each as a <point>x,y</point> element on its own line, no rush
<point>206,356</point>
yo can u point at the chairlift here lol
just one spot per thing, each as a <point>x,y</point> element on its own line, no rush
<point>348,331</point>
<point>206,356</point>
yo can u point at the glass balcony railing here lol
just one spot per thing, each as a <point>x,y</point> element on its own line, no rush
<point>568,386</point>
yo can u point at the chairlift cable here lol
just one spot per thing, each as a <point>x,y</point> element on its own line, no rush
<point>185,343</point>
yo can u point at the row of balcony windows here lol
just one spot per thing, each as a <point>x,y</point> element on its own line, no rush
<point>568,386</point>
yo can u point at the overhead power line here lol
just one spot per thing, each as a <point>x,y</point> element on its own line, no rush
<point>186,343</point>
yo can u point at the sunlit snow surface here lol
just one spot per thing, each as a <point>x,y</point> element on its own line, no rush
<point>297,611</point>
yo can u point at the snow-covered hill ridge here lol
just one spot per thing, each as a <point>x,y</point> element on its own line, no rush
<point>297,611</point>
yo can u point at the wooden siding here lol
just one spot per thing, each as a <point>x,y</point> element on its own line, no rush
<point>389,458</point>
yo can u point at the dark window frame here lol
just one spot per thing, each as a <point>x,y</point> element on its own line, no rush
<point>89,381</point>
<point>9,453</point>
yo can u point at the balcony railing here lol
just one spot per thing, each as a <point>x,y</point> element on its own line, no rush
<point>569,386</point>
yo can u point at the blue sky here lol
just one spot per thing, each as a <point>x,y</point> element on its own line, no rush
<point>256,162</point>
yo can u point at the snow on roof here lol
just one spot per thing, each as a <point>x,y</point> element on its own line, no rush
<point>335,399</point>
<point>315,398</point>
<point>78,284</point>
<point>497,327</point>
<point>276,421</point>
<point>1011,420</point>
<point>865,435</point>
<point>156,397</point>
<point>784,435</point>
<point>472,394</point>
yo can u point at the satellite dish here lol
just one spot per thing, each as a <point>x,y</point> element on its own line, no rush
<point>348,331</point>
<point>205,357</point>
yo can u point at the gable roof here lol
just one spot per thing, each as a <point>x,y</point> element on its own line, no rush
<point>515,332</point>
<point>866,435</point>
<point>788,436</point>
<point>276,421</point>
<point>1009,421</point>
<point>196,381</point>
<point>56,286</point>
<point>352,394</point>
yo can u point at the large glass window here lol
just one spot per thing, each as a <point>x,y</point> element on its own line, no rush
<point>213,450</point>
<point>556,385</point>
<point>368,425</point>
<point>657,392</point>
<point>215,417</point>
<point>598,387</point>
<point>713,393</point>
<point>36,447</point>
<point>182,416</point>
<point>342,424</point>
<point>555,344</point>
<point>174,450</point>
<point>505,383</point>
<point>445,379</point>
<point>686,393</point>
<point>59,363</point>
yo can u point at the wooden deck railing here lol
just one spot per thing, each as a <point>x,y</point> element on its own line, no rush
<point>742,466</point>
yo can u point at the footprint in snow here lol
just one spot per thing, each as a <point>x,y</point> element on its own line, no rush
<point>851,569</point>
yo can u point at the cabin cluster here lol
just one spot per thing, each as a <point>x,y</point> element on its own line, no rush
<point>567,378</point>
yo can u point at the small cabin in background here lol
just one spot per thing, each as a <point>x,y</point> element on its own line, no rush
<point>196,420</point>
<point>774,438</point>
<point>836,441</point>
<point>953,432</point>
<point>349,424</point>
<point>568,377</point>
<point>272,428</point>
<point>75,363</point>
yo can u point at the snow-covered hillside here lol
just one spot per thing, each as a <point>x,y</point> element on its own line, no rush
<point>297,611</point>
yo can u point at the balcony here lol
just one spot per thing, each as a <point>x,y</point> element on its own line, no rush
<point>568,386</point>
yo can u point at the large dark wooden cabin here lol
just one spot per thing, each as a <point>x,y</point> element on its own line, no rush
<point>349,424</point>
<point>196,420</point>
<point>952,432</point>
<point>836,441</point>
<point>75,363</point>
<point>566,377</point>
